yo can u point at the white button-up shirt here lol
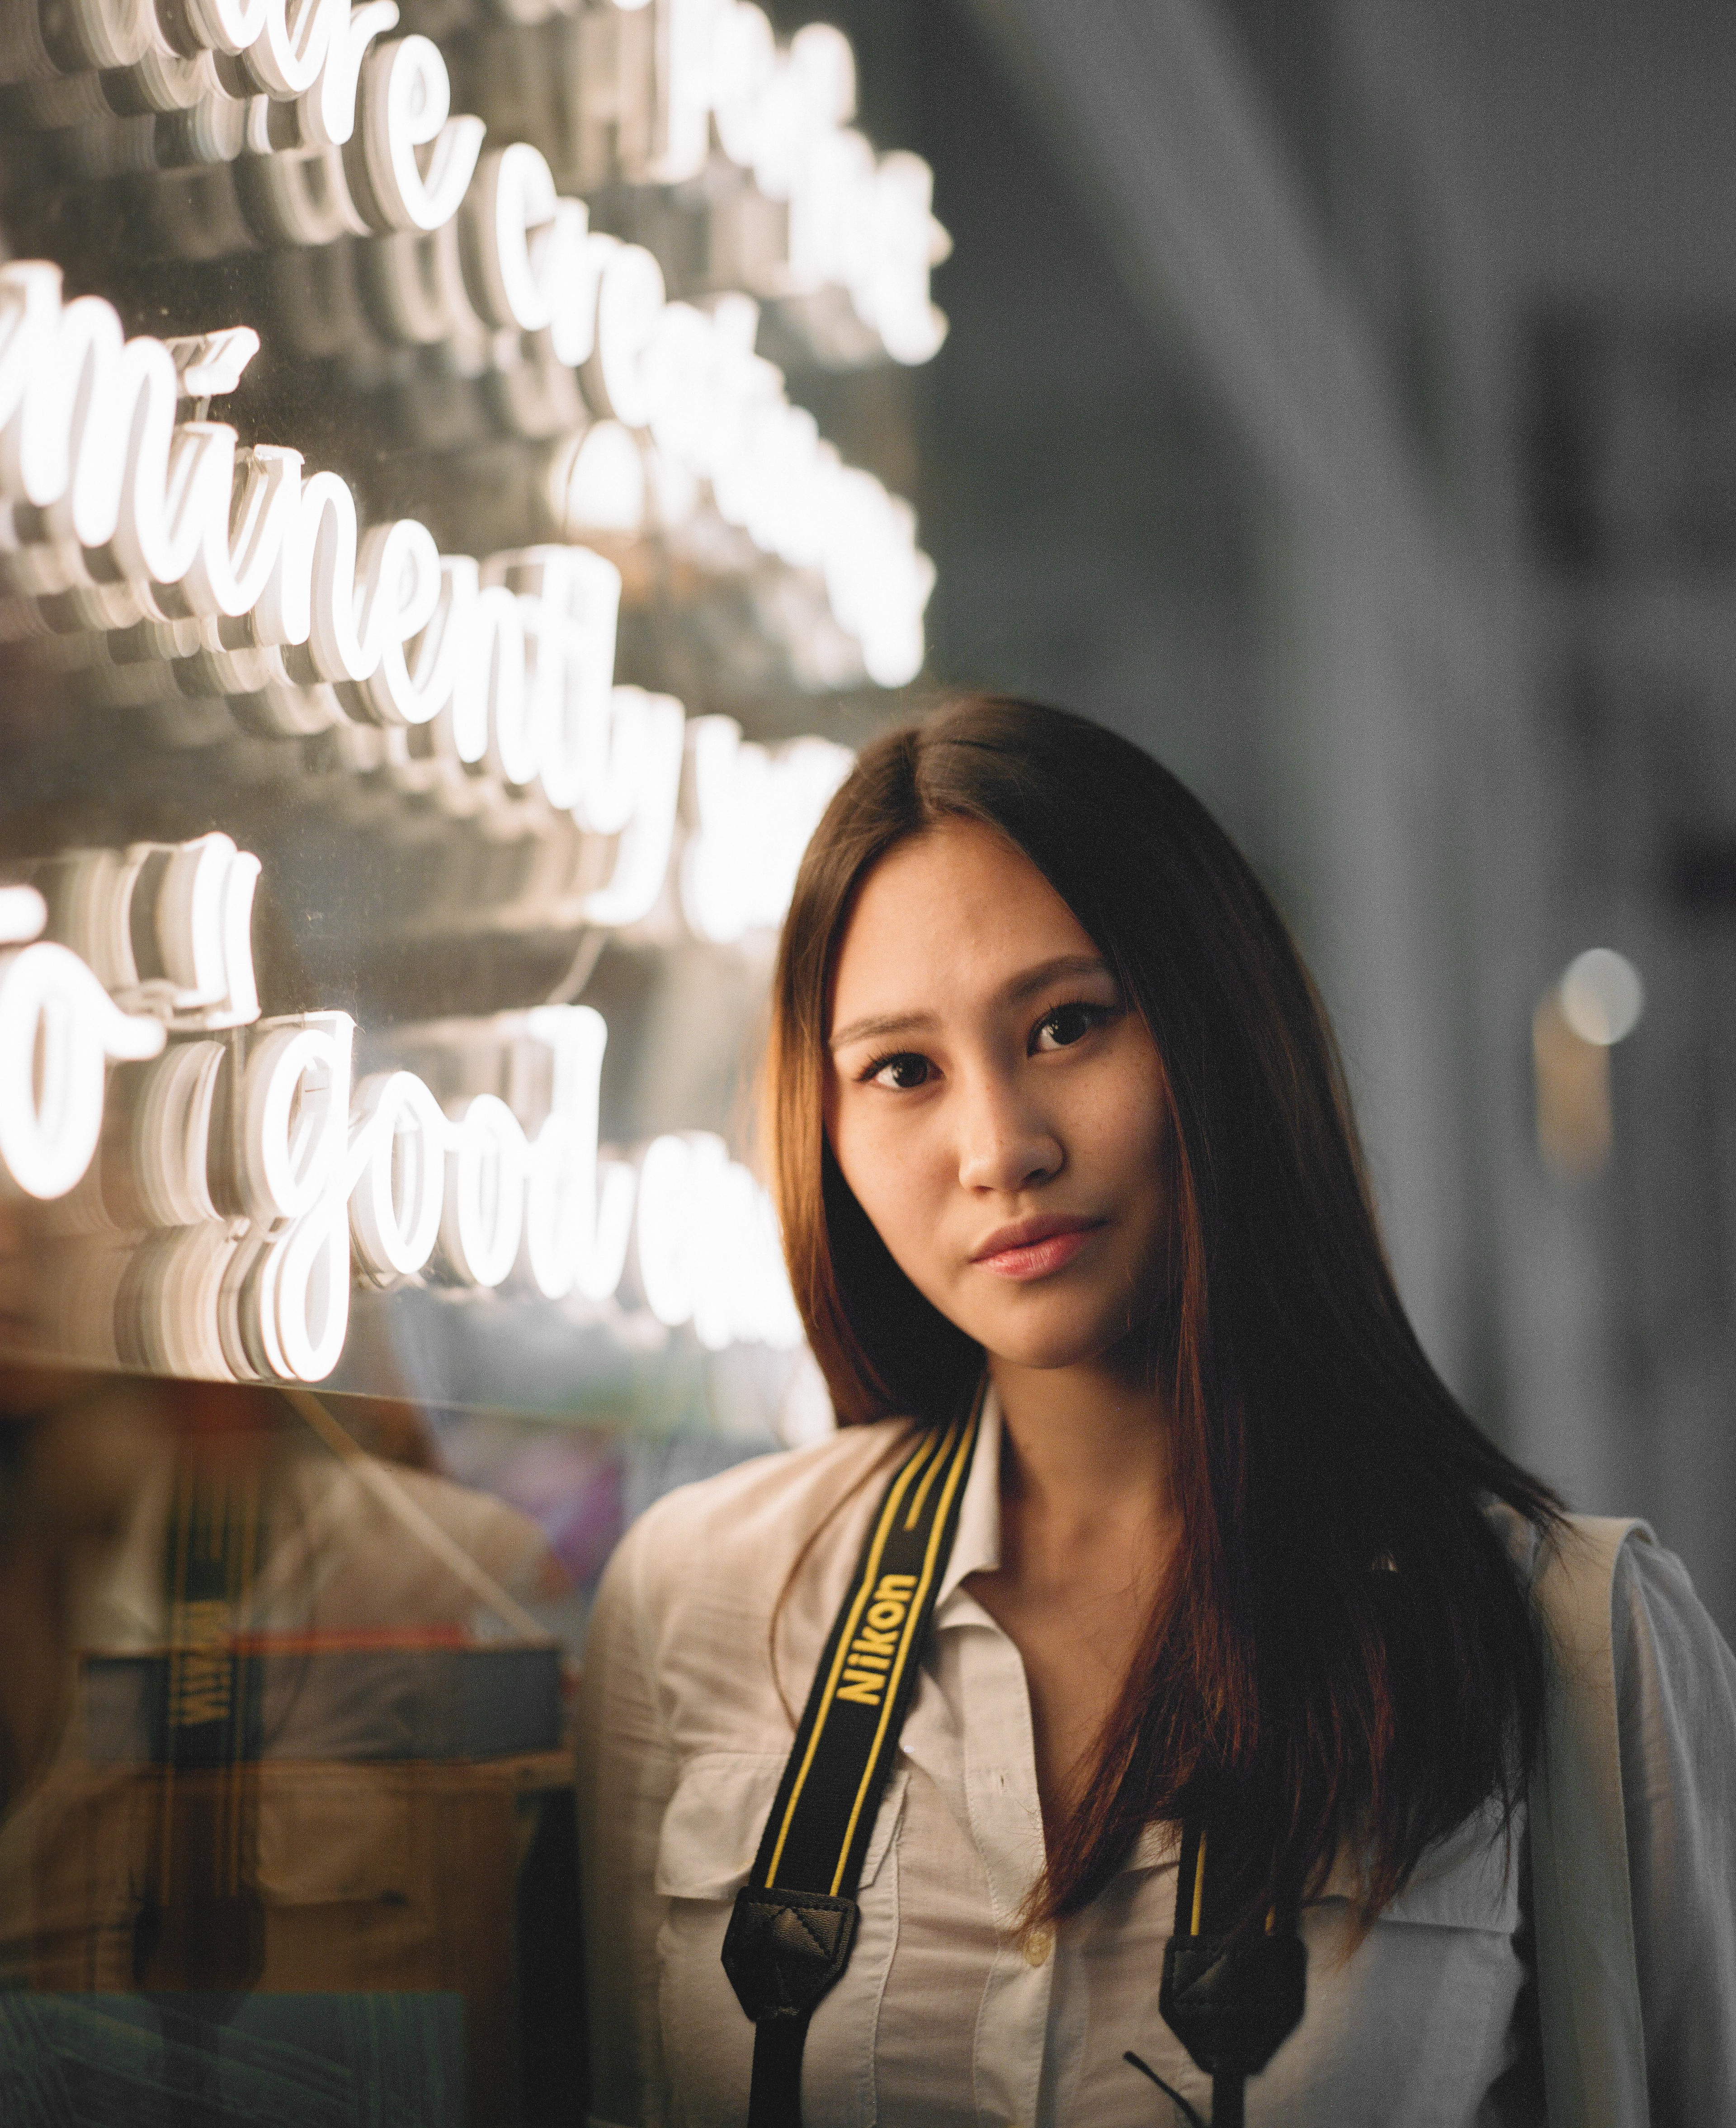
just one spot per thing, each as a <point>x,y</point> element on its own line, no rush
<point>704,1642</point>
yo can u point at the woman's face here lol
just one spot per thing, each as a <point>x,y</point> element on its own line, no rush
<point>996,1105</point>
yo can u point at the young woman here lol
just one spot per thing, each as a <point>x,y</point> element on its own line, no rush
<point>1062,1146</point>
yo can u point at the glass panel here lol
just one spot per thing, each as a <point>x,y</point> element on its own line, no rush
<point>429,629</point>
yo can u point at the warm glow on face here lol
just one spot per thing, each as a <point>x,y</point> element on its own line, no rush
<point>997,1107</point>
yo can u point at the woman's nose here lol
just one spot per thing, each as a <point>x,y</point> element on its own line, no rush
<point>1006,1142</point>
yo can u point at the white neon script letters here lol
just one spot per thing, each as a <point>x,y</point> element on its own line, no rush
<point>313,56</point>
<point>165,927</point>
<point>750,813</point>
<point>59,1027</point>
<point>131,500</point>
<point>715,414</point>
<point>854,222</point>
<point>259,1229</point>
<point>509,662</point>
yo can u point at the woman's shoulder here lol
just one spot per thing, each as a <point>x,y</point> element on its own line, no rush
<point>1606,1588</point>
<point>1569,1557</point>
<point>1671,1662</point>
<point>723,1589</point>
<point>1518,1533</point>
<point>748,1525</point>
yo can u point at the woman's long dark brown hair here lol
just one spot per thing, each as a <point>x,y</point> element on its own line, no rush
<point>1344,1648</point>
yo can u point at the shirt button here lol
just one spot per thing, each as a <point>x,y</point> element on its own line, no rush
<point>1039,1942</point>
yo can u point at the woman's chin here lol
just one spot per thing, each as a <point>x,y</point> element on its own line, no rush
<point>1048,1347</point>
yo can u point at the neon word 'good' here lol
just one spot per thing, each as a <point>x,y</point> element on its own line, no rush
<point>59,1027</point>
<point>539,1207</point>
<point>387,1184</point>
<point>261,1227</point>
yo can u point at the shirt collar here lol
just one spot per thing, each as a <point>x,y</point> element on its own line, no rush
<point>976,1548</point>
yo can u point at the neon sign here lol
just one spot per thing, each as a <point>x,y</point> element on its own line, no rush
<point>142,516</point>
<point>230,1182</point>
<point>641,94</point>
<point>508,664</point>
<point>243,1185</point>
<point>58,1028</point>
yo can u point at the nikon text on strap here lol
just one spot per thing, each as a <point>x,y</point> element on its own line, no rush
<point>1231,2000</point>
<point>794,1926</point>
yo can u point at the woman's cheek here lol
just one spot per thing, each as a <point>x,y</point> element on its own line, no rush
<point>1122,1128</point>
<point>874,1158</point>
<point>900,1195</point>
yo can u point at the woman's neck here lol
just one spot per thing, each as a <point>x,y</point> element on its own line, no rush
<point>1083,1447</point>
<point>1088,1532</point>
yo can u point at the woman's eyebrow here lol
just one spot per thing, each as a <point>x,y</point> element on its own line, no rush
<point>1048,971</point>
<point>900,1022</point>
<point>1021,987</point>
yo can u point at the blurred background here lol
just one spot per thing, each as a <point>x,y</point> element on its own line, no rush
<point>1336,397</point>
<point>1340,400</point>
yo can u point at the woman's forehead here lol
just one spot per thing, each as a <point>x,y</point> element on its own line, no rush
<point>955,910</point>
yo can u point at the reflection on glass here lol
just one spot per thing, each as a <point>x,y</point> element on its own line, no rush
<point>283,1735</point>
<point>422,603</point>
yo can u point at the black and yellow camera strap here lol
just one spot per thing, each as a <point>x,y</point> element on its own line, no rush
<point>793,1926</point>
<point>1230,1998</point>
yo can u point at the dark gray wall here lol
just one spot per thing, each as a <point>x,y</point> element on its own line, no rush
<point>1341,400</point>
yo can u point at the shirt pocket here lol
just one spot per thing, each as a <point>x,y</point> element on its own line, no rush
<point>711,1834</point>
<point>1468,1880</point>
<point>1416,2021</point>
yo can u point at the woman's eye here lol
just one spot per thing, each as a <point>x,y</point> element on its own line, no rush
<point>900,1072</point>
<point>1066,1024</point>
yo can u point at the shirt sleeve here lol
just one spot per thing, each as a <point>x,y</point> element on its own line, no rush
<point>1676,1691</point>
<point>627,1768</point>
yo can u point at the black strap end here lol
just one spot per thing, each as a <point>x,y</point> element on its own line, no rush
<point>783,1950</point>
<point>1233,2001</point>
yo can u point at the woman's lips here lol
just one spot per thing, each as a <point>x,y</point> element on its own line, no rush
<point>1046,1249</point>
